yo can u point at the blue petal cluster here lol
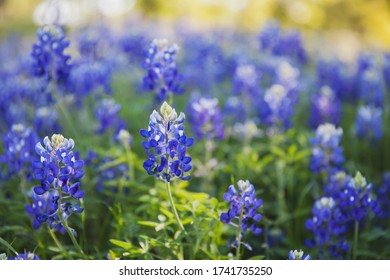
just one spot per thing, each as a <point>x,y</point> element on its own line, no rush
<point>25,256</point>
<point>369,123</point>
<point>325,108</point>
<point>298,255</point>
<point>243,208</point>
<point>107,114</point>
<point>18,155</point>
<point>162,75</point>
<point>166,145</point>
<point>206,119</point>
<point>326,152</point>
<point>58,171</point>
<point>49,59</point>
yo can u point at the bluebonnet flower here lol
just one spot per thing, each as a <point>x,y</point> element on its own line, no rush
<point>278,43</point>
<point>328,227</point>
<point>58,171</point>
<point>325,108</point>
<point>25,256</point>
<point>357,201</point>
<point>206,118</point>
<point>162,74</point>
<point>386,69</point>
<point>246,80</point>
<point>88,75</point>
<point>369,122</point>
<point>326,153</point>
<point>298,255</point>
<point>371,89</point>
<point>243,209</point>
<point>166,145</point>
<point>276,108</point>
<point>109,174</point>
<point>383,194</point>
<point>18,154</point>
<point>46,120</point>
<point>336,183</point>
<point>49,59</point>
<point>107,114</point>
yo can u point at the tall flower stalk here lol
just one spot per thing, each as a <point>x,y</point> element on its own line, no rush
<point>166,148</point>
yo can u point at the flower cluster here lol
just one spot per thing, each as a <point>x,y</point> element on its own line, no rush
<point>384,196</point>
<point>326,108</point>
<point>298,255</point>
<point>326,152</point>
<point>18,151</point>
<point>369,123</point>
<point>356,200</point>
<point>25,256</point>
<point>243,209</point>
<point>206,119</point>
<point>58,171</point>
<point>162,74</point>
<point>166,145</point>
<point>107,114</point>
<point>49,60</point>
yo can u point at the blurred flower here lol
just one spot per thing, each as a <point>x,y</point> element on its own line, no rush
<point>25,256</point>
<point>166,145</point>
<point>371,89</point>
<point>243,209</point>
<point>18,154</point>
<point>49,60</point>
<point>383,196</point>
<point>369,122</point>
<point>162,74</point>
<point>326,153</point>
<point>206,119</point>
<point>325,108</point>
<point>298,255</point>
<point>107,114</point>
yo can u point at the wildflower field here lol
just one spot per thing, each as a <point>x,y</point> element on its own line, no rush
<point>135,142</point>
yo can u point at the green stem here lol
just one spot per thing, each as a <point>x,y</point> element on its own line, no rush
<point>238,238</point>
<point>66,227</point>
<point>130,162</point>
<point>168,187</point>
<point>355,240</point>
<point>9,246</point>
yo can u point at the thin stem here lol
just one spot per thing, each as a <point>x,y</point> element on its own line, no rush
<point>66,227</point>
<point>239,236</point>
<point>130,162</point>
<point>168,187</point>
<point>355,240</point>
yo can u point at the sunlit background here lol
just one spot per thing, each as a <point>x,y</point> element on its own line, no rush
<point>348,24</point>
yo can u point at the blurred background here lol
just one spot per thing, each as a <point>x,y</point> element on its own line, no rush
<point>349,25</point>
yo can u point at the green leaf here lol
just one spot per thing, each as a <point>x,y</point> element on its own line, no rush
<point>258,257</point>
<point>122,244</point>
<point>148,223</point>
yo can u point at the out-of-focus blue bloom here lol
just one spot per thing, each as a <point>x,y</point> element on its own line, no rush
<point>46,120</point>
<point>386,69</point>
<point>206,119</point>
<point>59,172</point>
<point>384,196</point>
<point>162,75</point>
<point>109,175</point>
<point>371,89</point>
<point>339,76</point>
<point>369,123</point>
<point>107,115</point>
<point>89,75</point>
<point>336,183</point>
<point>326,153</point>
<point>276,109</point>
<point>19,145</point>
<point>298,255</point>
<point>288,43</point>
<point>356,200</point>
<point>49,59</point>
<point>25,256</point>
<point>166,145</point>
<point>246,80</point>
<point>325,108</point>
<point>326,224</point>
<point>243,209</point>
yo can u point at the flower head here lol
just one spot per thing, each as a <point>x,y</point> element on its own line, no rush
<point>25,256</point>
<point>298,255</point>
<point>166,145</point>
<point>243,208</point>
<point>162,74</point>
<point>369,122</point>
